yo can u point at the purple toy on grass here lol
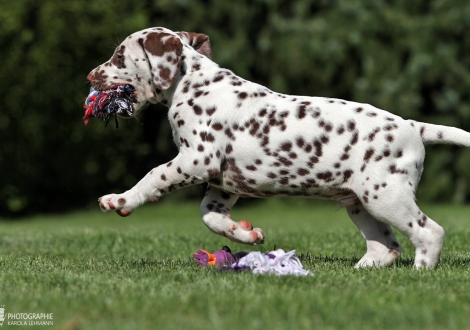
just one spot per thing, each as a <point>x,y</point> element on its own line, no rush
<point>277,262</point>
<point>220,257</point>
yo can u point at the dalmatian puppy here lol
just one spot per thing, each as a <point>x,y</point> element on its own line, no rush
<point>246,140</point>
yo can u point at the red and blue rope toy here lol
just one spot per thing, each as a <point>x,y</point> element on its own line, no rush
<point>103,104</point>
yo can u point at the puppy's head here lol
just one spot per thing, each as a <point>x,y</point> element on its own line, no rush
<point>149,60</point>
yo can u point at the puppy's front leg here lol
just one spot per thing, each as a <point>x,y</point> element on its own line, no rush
<point>215,211</point>
<point>162,179</point>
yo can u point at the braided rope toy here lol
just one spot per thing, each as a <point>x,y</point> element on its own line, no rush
<point>103,104</point>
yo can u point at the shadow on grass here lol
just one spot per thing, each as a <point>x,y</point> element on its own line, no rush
<point>327,259</point>
<point>308,258</point>
<point>404,262</point>
<point>146,263</point>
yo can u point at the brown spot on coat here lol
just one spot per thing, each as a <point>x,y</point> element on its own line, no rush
<point>229,133</point>
<point>242,95</point>
<point>326,176</point>
<point>165,73</point>
<point>303,171</point>
<point>210,111</point>
<point>286,146</point>
<point>300,142</point>
<point>368,154</point>
<point>118,57</point>
<point>285,161</point>
<point>217,126</point>
<point>197,110</point>
<point>346,175</point>
<point>284,180</point>
<point>301,112</point>
<point>351,125</point>
<point>354,139</point>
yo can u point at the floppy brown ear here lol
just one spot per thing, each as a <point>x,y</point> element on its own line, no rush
<point>163,52</point>
<point>200,42</point>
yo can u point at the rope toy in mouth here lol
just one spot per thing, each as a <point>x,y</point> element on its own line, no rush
<point>103,104</point>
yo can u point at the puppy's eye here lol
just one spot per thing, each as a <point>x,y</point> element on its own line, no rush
<point>119,55</point>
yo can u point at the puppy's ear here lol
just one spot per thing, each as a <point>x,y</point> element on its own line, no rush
<point>163,52</point>
<point>200,42</point>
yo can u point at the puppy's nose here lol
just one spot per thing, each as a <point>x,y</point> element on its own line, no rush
<point>90,76</point>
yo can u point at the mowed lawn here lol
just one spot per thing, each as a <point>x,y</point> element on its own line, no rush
<point>100,271</point>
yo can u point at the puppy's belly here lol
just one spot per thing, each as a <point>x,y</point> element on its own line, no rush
<point>284,186</point>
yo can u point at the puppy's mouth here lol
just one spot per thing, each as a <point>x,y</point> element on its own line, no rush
<point>118,101</point>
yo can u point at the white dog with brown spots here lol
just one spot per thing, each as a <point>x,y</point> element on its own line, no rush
<point>245,140</point>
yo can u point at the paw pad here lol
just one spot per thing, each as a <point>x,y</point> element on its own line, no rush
<point>123,213</point>
<point>245,224</point>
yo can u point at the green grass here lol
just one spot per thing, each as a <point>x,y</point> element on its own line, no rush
<point>100,271</point>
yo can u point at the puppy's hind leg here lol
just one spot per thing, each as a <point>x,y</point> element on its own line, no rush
<point>399,209</point>
<point>215,211</point>
<point>382,246</point>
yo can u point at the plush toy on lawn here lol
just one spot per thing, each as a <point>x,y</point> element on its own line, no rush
<point>220,257</point>
<point>102,105</point>
<point>278,262</point>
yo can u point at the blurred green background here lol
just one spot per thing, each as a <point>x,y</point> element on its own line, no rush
<point>411,58</point>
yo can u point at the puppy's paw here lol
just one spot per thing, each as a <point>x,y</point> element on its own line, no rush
<point>258,236</point>
<point>243,232</point>
<point>122,204</point>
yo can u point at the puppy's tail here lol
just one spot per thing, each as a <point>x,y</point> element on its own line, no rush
<point>434,134</point>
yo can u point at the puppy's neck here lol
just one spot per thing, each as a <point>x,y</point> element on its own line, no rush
<point>194,69</point>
